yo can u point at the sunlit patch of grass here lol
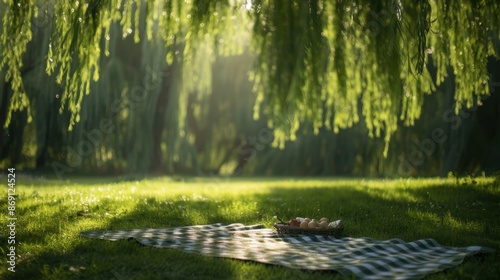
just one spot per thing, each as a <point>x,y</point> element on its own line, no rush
<point>51,214</point>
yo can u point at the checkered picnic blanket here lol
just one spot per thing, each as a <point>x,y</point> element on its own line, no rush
<point>364,257</point>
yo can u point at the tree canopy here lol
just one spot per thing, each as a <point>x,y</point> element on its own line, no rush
<point>327,64</point>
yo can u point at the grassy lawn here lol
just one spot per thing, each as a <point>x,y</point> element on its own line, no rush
<point>51,214</point>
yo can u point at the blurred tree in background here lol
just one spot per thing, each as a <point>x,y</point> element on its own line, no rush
<point>168,87</point>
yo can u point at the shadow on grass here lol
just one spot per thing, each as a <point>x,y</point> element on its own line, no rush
<point>454,216</point>
<point>88,181</point>
<point>128,259</point>
<point>99,259</point>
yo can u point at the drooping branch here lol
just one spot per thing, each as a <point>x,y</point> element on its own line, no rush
<point>317,60</point>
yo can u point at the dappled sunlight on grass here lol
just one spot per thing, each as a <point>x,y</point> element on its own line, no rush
<point>54,214</point>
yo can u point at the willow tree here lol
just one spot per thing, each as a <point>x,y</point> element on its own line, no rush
<point>323,62</point>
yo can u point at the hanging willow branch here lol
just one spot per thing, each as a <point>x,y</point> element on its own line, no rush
<point>16,34</point>
<point>315,59</point>
<point>423,26</point>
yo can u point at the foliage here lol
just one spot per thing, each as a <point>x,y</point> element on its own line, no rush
<point>320,59</point>
<point>16,20</point>
<point>316,59</point>
<point>54,213</point>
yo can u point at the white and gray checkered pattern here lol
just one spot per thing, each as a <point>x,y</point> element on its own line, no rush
<point>364,257</point>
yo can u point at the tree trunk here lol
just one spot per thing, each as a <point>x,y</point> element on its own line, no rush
<point>41,158</point>
<point>3,116</point>
<point>159,123</point>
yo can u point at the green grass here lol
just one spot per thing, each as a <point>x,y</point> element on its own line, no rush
<point>49,219</point>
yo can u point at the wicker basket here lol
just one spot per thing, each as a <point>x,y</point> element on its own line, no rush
<point>286,229</point>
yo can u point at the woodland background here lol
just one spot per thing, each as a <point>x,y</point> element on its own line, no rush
<point>198,93</point>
